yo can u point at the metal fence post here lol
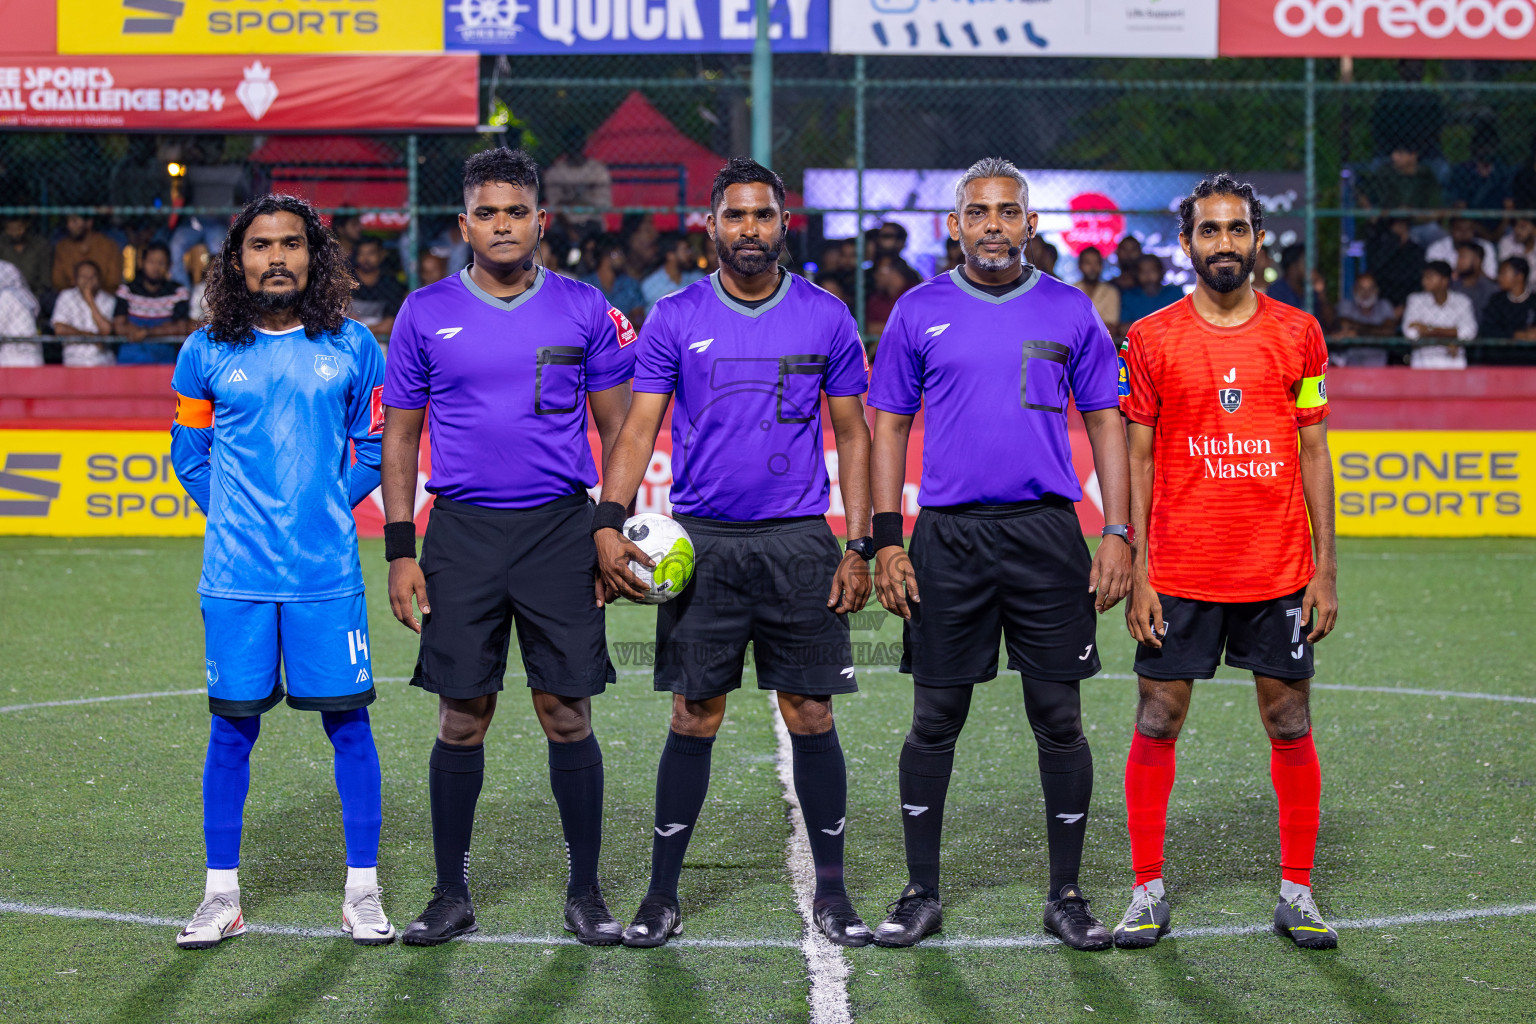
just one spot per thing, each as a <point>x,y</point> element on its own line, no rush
<point>762,91</point>
<point>412,241</point>
<point>1308,297</point>
<point>858,177</point>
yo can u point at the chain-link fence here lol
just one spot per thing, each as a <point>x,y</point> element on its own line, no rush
<point>1372,171</point>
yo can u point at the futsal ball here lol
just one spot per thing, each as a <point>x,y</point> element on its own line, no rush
<point>669,546</point>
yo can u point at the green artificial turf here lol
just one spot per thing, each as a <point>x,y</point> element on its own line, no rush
<point>1428,809</point>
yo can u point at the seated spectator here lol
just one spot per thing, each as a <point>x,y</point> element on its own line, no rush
<point>1042,255</point>
<point>890,282</point>
<point>348,229</point>
<point>612,279</point>
<point>378,295</point>
<point>1463,230</point>
<point>1366,314</point>
<point>577,180</point>
<point>433,267</point>
<point>1480,183</point>
<point>641,245</point>
<point>1396,261</point>
<point>82,242</point>
<point>1105,296</point>
<point>1470,280</point>
<point>1512,312</point>
<point>1288,288</point>
<point>890,240</point>
<point>87,308</point>
<point>1127,255</point>
<point>833,285</point>
<point>1152,295</point>
<point>18,319</point>
<point>1438,312</point>
<point>954,256</point>
<point>151,306</point>
<point>1522,186</point>
<point>679,268</point>
<point>1405,182</point>
<point>838,260</point>
<point>30,253</point>
<point>1521,241</point>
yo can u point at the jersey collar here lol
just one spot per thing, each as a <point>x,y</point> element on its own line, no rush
<point>500,303</point>
<point>734,303</point>
<point>1031,278</point>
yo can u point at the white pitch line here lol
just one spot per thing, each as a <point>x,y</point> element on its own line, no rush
<point>828,994</point>
<point>98,700</point>
<point>1507,698</point>
<point>954,942</point>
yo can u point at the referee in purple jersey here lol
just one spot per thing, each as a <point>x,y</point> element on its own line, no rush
<point>510,357</point>
<point>990,351</point>
<point>747,354</point>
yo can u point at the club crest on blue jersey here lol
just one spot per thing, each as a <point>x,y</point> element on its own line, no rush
<point>1230,398</point>
<point>327,366</point>
<point>213,671</point>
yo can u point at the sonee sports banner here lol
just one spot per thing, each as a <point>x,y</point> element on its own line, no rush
<point>1390,483</point>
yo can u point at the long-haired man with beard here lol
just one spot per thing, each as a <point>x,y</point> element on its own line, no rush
<point>270,396</point>
<point>1232,508</point>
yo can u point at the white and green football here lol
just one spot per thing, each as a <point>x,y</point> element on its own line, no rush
<point>669,546</point>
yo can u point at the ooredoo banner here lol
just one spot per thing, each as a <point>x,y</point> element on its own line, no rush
<point>1474,29</point>
<point>268,93</point>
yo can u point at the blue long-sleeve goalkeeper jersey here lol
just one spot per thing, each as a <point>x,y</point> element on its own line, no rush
<point>260,442</point>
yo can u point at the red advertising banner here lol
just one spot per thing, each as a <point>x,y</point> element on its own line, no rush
<point>30,26</point>
<point>231,94</point>
<point>1473,29</point>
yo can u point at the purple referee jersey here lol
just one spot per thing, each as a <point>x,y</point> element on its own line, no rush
<point>992,374</point>
<point>747,385</point>
<point>507,381</point>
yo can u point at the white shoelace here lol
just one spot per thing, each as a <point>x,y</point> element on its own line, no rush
<point>1141,902</point>
<point>368,912</point>
<point>1303,905</point>
<point>211,910</point>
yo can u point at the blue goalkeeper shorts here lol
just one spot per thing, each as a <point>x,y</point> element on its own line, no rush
<point>322,647</point>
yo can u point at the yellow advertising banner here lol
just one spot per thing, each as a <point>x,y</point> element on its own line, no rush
<point>112,27</point>
<point>93,483</point>
<point>1389,483</point>
<point>1435,483</point>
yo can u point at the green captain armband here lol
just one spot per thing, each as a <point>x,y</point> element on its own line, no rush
<point>1313,392</point>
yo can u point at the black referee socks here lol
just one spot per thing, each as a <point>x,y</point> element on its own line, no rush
<point>576,778</point>
<point>454,777</point>
<point>682,780</point>
<point>924,782</point>
<point>821,783</point>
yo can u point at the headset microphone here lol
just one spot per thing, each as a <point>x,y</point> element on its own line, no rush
<point>1013,251</point>
<point>528,263</point>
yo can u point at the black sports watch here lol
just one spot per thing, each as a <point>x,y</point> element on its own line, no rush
<point>864,547</point>
<point>1124,532</point>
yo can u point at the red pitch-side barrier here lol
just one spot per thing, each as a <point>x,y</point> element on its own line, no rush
<point>1479,398</point>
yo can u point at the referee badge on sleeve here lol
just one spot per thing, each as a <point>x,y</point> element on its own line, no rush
<point>626,330</point>
<point>1230,398</point>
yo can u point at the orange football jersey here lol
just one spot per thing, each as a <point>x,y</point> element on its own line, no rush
<point>1227,521</point>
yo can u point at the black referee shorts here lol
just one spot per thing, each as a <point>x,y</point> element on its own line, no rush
<point>763,583</point>
<point>489,568</point>
<point>1267,638</point>
<point>986,573</point>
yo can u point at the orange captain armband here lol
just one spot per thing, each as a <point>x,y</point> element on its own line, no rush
<point>193,412</point>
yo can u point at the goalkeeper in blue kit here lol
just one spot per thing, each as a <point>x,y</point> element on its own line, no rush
<point>268,394</point>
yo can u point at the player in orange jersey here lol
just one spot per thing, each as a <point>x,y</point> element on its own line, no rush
<point>1229,468</point>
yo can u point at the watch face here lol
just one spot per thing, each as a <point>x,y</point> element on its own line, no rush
<point>864,547</point>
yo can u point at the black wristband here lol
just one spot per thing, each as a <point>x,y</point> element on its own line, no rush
<point>888,529</point>
<point>399,541</point>
<point>609,515</point>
